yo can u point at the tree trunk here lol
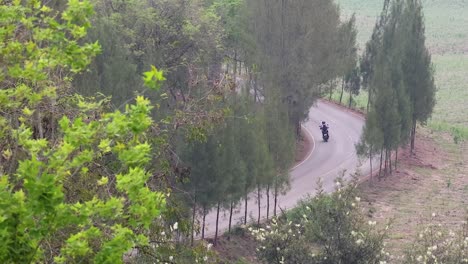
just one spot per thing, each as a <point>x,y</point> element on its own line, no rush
<point>350,99</point>
<point>342,90</point>
<point>368,99</point>
<point>240,68</point>
<point>259,204</point>
<point>249,87</point>
<point>194,209</point>
<point>331,90</point>
<point>255,88</point>
<point>268,201</point>
<point>39,123</point>
<point>386,162</point>
<point>235,65</point>
<point>370,161</point>
<point>298,129</point>
<point>396,158</point>
<point>413,135</point>
<point>276,197</point>
<point>217,221</point>
<point>203,226</point>
<point>380,168</point>
<point>245,215</point>
<point>230,219</point>
<point>390,162</point>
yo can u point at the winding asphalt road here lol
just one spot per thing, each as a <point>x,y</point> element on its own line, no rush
<point>327,160</point>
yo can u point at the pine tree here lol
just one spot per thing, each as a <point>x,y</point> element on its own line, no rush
<point>417,67</point>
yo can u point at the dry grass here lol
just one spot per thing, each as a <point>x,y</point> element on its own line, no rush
<point>434,181</point>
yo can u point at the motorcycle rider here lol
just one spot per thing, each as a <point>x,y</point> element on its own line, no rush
<point>324,127</point>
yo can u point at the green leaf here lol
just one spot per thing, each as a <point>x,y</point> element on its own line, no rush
<point>153,78</point>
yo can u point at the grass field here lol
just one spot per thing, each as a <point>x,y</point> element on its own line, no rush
<point>447,38</point>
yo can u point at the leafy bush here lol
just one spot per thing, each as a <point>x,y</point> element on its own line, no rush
<point>329,228</point>
<point>52,140</point>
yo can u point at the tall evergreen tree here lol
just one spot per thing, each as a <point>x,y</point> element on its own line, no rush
<point>347,52</point>
<point>417,67</point>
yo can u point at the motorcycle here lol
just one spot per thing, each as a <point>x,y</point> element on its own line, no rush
<point>325,135</point>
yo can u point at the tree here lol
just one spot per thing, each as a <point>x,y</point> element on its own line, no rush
<point>369,56</point>
<point>347,52</point>
<point>390,109</point>
<point>183,37</point>
<point>55,139</point>
<point>417,67</point>
<point>352,84</point>
<point>297,49</point>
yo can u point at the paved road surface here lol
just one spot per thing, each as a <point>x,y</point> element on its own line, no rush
<point>327,160</point>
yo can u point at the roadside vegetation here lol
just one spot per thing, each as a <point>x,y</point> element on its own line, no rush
<point>123,123</point>
<point>106,158</point>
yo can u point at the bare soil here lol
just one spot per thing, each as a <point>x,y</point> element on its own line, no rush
<point>239,249</point>
<point>303,147</point>
<point>433,181</point>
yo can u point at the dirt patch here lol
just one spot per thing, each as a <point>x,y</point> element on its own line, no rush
<point>240,248</point>
<point>303,147</point>
<point>433,181</point>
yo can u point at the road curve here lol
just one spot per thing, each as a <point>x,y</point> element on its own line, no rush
<point>326,161</point>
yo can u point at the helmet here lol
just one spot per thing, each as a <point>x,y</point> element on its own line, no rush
<point>323,122</point>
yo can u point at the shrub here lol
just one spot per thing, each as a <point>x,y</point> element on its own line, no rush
<point>436,244</point>
<point>329,228</point>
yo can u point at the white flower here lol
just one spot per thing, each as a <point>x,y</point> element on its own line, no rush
<point>176,225</point>
<point>205,258</point>
<point>419,258</point>
<point>433,214</point>
<point>277,249</point>
<point>372,223</point>
<point>359,241</point>
<point>358,199</point>
<point>171,258</point>
<point>209,246</point>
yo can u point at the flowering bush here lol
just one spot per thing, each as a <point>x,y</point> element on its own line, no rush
<point>436,244</point>
<point>324,229</point>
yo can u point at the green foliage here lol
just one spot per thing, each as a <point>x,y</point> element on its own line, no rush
<point>178,36</point>
<point>397,72</point>
<point>153,77</point>
<point>38,210</point>
<point>75,183</point>
<point>297,51</point>
<point>324,229</point>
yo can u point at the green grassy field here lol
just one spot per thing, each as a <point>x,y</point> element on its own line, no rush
<point>447,38</point>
